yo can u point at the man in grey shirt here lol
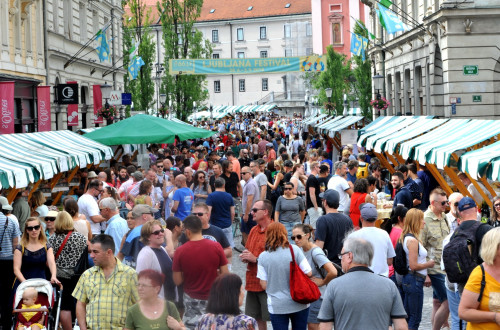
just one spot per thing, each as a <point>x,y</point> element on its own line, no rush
<point>259,177</point>
<point>374,305</point>
<point>251,194</point>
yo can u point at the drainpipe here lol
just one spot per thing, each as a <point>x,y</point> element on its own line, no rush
<point>45,41</point>
<point>232,76</point>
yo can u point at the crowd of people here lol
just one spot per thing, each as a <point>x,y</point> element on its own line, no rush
<point>152,248</point>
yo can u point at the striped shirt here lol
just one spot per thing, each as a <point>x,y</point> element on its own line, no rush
<point>107,299</point>
<point>8,231</point>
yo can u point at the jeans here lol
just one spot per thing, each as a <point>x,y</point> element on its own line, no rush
<point>229,235</point>
<point>289,227</point>
<point>453,302</point>
<point>299,320</point>
<point>413,289</point>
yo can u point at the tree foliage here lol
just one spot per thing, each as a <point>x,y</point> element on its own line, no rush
<point>137,28</point>
<point>182,40</point>
<point>362,83</point>
<point>335,77</point>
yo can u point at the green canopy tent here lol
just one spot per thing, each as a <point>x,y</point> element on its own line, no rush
<point>141,129</point>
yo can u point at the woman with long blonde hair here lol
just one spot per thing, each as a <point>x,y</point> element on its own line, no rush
<point>416,256</point>
<point>273,270</point>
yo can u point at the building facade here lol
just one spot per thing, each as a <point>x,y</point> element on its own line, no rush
<point>447,65</point>
<point>332,22</point>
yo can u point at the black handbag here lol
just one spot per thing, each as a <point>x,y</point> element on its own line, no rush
<point>82,265</point>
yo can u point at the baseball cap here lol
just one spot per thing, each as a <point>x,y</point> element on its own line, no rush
<point>52,214</point>
<point>138,175</point>
<point>5,204</point>
<point>141,209</point>
<point>92,175</point>
<point>270,145</point>
<point>288,163</point>
<point>331,196</point>
<point>466,203</point>
<point>368,212</point>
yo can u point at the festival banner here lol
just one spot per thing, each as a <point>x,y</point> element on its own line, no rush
<point>97,96</point>
<point>43,107</point>
<point>312,63</point>
<point>73,111</point>
<point>7,105</point>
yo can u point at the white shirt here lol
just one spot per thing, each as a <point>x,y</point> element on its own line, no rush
<point>340,184</point>
<point>422,254</point>
<point>88,207</point>
<point>382,248</point>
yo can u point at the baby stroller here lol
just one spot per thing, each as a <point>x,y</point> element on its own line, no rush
<point>47,297</point>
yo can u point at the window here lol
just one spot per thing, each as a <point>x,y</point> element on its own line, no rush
<point>263,32</point>
<point>263,53</point>
<point>309,51</point>
<point>288,31</point>
<point>287,5</point>
<point>242,85</point>
<point>179,39</point>
<point>215,36</point>
<point>250,8</point>
<point>83,22</point>
<point>265,85</point>
<point>215,55</point>
<point>212,11</point>
<point>239,34</point>
<point>336,8</point>
<point>288,52</point>
<point>216,86</point>
<point>336,33</point>
<point>241,54</point>
<point>309,31</point>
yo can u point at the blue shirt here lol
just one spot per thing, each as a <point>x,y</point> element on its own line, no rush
<point>185,197</point>
<point>350,177</point>
<point>221,203</point>
<point>403,196</point>
<point>132,246</point>
<point>116,227</point>
<point>329,162</point>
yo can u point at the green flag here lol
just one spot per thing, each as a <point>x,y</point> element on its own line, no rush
<point>386,3</point>
<point>361,25</point>
<point>381,19</point>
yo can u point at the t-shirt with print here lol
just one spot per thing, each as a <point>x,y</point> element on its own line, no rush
<point>185,197</point>
<point>491,296</point>
<point>316,257</point>
<point>212,233</point>
<point>199,262</point>
<point>274,267</point>
<point>221,203</point>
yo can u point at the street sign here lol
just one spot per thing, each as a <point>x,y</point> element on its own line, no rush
<point>453,109</point>
<point>126,98</point>
<point>459,100</point>
<point>115,98</point>
<point>477,98</point>
<point>453,100</point>
<point>471,70</point>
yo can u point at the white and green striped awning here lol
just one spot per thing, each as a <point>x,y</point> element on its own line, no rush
<point>313,120</point>
<point>377,126</point>
<point>387,131</point>
<point>484,162</point>
<point>342,124</point>
<point>354,112</point>
<point>26,158</point>
<point>328,122</point>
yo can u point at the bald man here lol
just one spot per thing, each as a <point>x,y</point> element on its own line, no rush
<point>183,198</point>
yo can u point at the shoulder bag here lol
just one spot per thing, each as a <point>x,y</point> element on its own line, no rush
<point>302,289</point>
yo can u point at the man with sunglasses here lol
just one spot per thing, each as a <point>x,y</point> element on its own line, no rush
<point>87,205</point>
<point>435,230</point>
<point>251,193</point>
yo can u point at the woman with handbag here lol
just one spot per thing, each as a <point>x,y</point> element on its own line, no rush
<point>290,209</point>
<point>274,271</point>
<point>68,246</point>
<point>323,270</point>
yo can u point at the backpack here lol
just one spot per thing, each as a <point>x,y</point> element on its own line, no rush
<point>362,172</point>
<point>461,254</point>
<point>400,264</point>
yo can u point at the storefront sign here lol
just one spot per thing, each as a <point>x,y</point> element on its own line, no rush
<point>73,110</point>
<point>126,99</point>
<point>471,70</point>
<point>115,98</point>
<point>67,93</point>
<point>7,107</point>
<point>348,136</point>
<point>311,63</point>
<point>97,97</point>
<point>43,107</point>
<point>477,98</point>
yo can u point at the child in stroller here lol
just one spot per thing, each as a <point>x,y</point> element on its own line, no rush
<point>31,318</point>
<point>35,305</point>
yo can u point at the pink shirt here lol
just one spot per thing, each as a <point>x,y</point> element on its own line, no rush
<point>395,234</point>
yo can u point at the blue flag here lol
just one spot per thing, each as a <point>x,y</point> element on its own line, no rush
<point>363,48</point>
<point>356,44</point>
<point>102,45</point>
<point>392,22</point>
<point>135,67</point>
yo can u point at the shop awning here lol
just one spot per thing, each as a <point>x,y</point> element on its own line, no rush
<point>484,162</point>
<point>388,130</point>
<point>26,158</point>
<point>375,126</point>
<point>315,119</point>
<point>342,124</point>
<point>330,120</point>
<point>141,129</point>
<point>354,112</point>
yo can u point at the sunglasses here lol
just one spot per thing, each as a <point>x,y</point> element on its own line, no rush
<point>496,205</point>
<point>200,214</point>
<point>31,228</point>
<point>287,188</point>
<point>243,173</point>
<point>443,203</point>
<point>255,210</point>
<point>159,166</point>
<point>201,177</point>
<point>50,219</point>
<point>157,232</point>
<point>299,237</point>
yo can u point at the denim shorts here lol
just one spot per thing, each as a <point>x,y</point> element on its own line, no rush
<point>438,287</point>
<point>314,308</point>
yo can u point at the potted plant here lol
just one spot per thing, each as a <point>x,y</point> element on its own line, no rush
<point>163,111</point>
<point>381,104</point>
<point>107,113</point>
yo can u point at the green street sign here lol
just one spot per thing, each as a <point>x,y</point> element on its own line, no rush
<point>471,70</point>
<point>477,98</point>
